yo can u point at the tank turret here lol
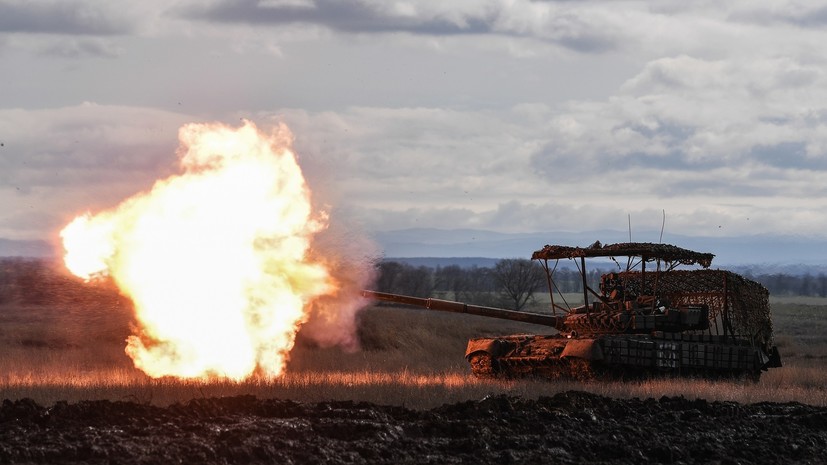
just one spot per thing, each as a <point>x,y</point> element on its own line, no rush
<point>670,319</point>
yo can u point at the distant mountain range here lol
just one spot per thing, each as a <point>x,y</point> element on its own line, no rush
<point>470,247</point>
<point>782,254</point>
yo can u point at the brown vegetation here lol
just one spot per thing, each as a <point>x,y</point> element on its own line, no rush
<point>67,344</point>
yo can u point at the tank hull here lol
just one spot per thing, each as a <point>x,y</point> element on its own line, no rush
<point>624,355</point>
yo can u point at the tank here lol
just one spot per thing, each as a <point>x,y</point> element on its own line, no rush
<point>659,310</point>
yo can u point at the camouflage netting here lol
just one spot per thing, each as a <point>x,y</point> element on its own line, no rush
<point>649,251</point>
<point>747,300</point>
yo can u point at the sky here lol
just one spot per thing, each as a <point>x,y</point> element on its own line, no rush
<point>505,115</point>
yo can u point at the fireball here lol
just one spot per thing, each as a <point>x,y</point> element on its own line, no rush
<point>215,259</point>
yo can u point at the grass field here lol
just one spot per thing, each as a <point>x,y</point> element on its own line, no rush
<point>73,350</point>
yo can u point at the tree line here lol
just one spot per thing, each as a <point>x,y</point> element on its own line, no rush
<point>511,282</point>
<point>786,284</point>
<point>37,282</point>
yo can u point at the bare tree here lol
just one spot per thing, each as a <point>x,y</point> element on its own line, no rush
<point>416,281</point>
<point>518,279</point>
<point>446,278</point>
<point>482,289</point>
<point>388,276</point>
<point>401,278</point>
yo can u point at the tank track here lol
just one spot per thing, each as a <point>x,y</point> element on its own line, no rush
<point>483,366</point>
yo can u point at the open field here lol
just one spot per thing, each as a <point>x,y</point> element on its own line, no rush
<point>406,397</point>
<point>411,357</point>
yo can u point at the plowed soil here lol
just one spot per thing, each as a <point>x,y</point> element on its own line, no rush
<point>572,427</point>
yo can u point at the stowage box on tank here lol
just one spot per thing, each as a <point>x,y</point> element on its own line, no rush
<point>676,317</point>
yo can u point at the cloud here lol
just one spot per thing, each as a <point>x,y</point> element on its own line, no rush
<point>585,30</point>
<point>71,17</point>
<point>681,133</point>
<point>688,135</point>
<point>84,139</point>
<point>55,163</point>
<point>803,14</point>
<point>77,48</point>
<point>395,156</point>
<point>691,114</point>
<point>581,27</point>
<point>349,16</point>
<point>790,154</point>
<point>506,114</point>
<point>391,168</point>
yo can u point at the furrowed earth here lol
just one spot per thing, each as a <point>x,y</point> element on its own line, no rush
<point>570,427</point>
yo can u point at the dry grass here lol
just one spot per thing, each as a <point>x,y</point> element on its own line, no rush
<point>410,357</point>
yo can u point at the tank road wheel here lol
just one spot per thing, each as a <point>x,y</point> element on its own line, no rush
<point>483,365</point>
<point>580,370</point>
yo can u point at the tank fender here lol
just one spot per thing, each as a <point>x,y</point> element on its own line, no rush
<point>586,349</point>
<point>495,347</point>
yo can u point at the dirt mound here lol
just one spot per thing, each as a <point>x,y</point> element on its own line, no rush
<point>572,427</point>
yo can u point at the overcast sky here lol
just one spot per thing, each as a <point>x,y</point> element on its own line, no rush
<point>509,115</point>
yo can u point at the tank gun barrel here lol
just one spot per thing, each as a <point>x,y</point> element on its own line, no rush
<point>460,307</point>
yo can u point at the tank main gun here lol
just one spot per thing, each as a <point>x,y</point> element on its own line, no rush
<point>600,318</point>
<point>557,322</point>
